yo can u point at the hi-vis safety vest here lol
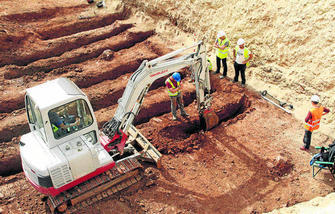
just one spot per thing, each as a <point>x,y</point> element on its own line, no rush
<point>222,53</point>
<point>245,53</point>
<point>54,128</point>
<point>170,93</point>
<point>314,124</point>
<point>210,65</point>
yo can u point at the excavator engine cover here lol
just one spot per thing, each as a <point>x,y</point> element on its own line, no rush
<point>209,119</point>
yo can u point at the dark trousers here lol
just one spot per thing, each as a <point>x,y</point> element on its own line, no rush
<point>218,65</point>
<point>177,101</point>
<point>307,139</point>
<point>239,68</point>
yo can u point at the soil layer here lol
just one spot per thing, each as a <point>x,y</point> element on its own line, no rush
<point>249,163</point>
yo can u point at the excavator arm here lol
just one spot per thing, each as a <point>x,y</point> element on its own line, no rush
<point>123,143</point>
<point>149,71</point>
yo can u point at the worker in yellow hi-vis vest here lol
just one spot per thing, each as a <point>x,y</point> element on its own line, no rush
<point>174,86</point>
<point>222,48</point>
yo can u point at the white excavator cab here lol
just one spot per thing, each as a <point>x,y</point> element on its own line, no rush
<point>59,111</point>
<point>62,146</point>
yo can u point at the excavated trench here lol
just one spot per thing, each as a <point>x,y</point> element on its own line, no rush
<point>63,51</point>
<point>10,166</point>
<point>110,68</point>
<point>56,39</point>
<point>174,137</point>
<point>82,25</point>
<point>185,130</point>
<point>43,14</point>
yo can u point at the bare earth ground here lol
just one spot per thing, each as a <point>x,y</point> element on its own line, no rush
<point>250,163</point>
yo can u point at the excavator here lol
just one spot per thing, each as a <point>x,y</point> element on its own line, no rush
<point>66,157</point>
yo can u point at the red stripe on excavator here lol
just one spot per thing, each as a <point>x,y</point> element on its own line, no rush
<point>161,72</point>
<point>53,192</point>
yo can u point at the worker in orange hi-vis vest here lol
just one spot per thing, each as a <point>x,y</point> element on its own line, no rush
<point>313,120</point>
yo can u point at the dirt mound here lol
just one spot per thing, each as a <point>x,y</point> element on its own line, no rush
<point>281,168</point>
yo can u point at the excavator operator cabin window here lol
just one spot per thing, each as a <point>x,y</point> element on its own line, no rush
<point>35,117</point>
<point>70,118</point>
<point>30,105</point>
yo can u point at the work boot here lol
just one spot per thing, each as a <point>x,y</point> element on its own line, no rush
<point>216,72</point>
<point>222,77</point>
<point>243,85</point>
<point>304,149</point>
<point>174,118</point>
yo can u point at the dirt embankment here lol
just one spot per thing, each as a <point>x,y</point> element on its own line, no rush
<point>292,42</point>
<point>323,205</point>
<point>252,155</point>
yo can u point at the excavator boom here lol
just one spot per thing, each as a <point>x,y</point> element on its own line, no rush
<point>149,71</point>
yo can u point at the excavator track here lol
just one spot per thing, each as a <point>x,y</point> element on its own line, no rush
<point>124,174</point>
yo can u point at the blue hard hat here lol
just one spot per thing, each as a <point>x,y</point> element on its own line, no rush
<point>176,76</point>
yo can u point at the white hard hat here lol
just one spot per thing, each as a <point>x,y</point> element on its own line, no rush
<point>315,98</point>
<point>221,33</point>
<point>240,41</point>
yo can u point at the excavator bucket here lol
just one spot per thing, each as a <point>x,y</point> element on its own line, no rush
<point>209,119</point>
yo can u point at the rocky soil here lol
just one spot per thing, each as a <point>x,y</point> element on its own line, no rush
<point>249,163</point>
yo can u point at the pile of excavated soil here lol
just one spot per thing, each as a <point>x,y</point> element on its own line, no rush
<point>249,163</point>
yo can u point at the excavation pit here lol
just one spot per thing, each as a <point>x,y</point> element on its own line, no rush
<point>185,135</point>
<point>202,172</point>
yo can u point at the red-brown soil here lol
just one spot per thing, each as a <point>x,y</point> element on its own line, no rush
<point>249,163</point>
